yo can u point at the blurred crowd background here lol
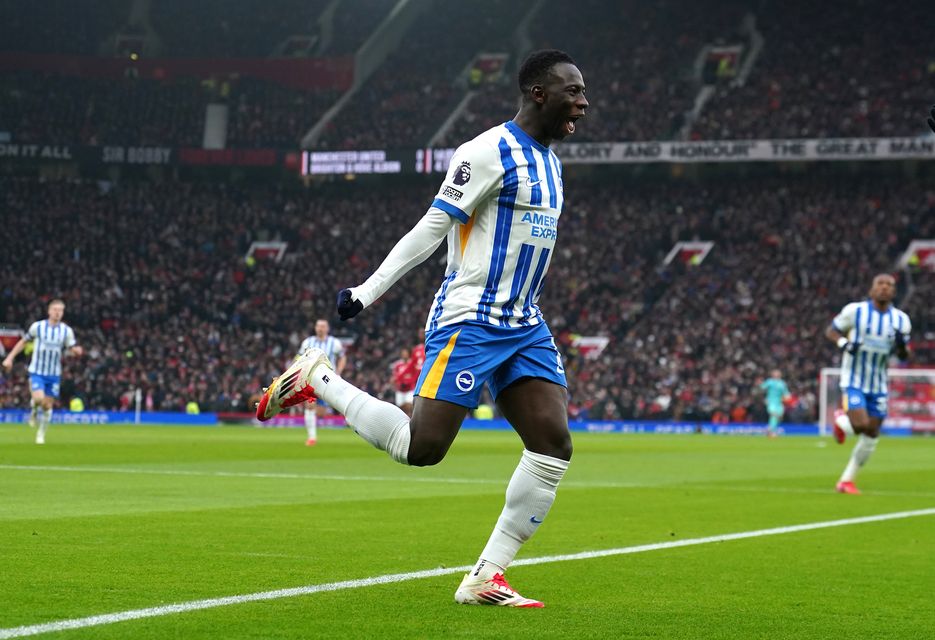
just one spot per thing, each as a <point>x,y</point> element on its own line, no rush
<point>152,261</point>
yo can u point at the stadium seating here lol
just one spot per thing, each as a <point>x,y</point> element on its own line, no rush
<point>231,28</point>
<point>56,109</point>
<point>60,26</point>
<point>636,59</point>
<point>409,97</point>
<point>155,274</point>
<point>161,297</point>
<point>820,76</point>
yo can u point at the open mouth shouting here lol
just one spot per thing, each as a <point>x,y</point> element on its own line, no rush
<point>568,126</point>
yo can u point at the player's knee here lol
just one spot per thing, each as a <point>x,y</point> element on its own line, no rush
<point>426,454</point>
<point>427,447</point>
<point>553,443</point>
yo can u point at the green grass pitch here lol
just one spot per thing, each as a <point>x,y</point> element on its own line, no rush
<point>106,519</point>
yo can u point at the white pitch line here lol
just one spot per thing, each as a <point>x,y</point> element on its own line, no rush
<point>211,603</point>
<point>305,476</point>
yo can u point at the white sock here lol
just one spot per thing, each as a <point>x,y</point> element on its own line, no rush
<point>845,423</point>
<point>382,424</point>
<point>33,411</point>
<point>45,417</point>
<point>311,424</point>
<point>529,496</point>
<point>862,450</point>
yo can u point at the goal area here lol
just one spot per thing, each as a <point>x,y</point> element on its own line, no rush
<point>911,403</point>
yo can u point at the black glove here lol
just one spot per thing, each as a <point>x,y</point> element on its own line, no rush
<point>900,341</point>
<point>931,120</point>
<point>347,306</point>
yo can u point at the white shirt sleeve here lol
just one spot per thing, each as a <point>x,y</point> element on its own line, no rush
<point>70,339</point>
<point>474,172</point>
<point>845,320</point>
<point>33,331</point>
<point>412,249</point>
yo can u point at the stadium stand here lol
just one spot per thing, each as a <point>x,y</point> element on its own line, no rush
<point>822,77</point>
<point>165,301</point>
<point>264,114</point>
<point>161,297</point>
<point>354,22</point>
<point>410,95</point>
<point>231,28</point>
<point>636,59</point>
<point>59,109</point>
<point>60,26</point>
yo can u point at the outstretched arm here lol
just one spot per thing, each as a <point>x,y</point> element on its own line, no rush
<point>411,250</point>
<point>15,351</point>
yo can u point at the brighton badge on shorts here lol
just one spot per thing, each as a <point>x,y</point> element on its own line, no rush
<point>465,380</point>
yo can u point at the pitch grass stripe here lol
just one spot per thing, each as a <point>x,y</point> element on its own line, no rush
<point>566,484</point>
<point>211,603</point>
<point>245,474</point>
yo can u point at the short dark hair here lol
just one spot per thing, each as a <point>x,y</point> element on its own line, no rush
<point>537,65</point>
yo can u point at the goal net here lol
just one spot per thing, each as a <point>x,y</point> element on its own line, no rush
<point>911,402</point>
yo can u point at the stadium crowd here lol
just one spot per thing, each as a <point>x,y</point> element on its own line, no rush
<point>821,76</point>
<point>636,59</point>
<point>162,298</point>
<point>45,108</point>
<point>410,96</point>
<point>817,76</point>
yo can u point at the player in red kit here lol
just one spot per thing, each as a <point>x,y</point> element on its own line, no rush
<point>405,376</point>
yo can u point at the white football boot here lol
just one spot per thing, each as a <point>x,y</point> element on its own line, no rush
<point>293,386</point>
<point>494,591</point>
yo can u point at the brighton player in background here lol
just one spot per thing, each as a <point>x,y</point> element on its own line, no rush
<point>334,351</point>
<point>867,333</point>
<point>776,392</point>
<point>52,338</point>
<point>499,207</point>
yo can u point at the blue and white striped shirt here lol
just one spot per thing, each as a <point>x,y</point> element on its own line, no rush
<point>49,342</point>
<point>505,190</point>
<point>330,345</point>
<point>862,323</point>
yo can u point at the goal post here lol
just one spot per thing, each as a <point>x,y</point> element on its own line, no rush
<point>911,402</point>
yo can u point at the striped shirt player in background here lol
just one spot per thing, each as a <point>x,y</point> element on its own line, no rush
<point>334,351</point>
<point>498,207</point>
<point>867,333</point>
<point>51,338</point>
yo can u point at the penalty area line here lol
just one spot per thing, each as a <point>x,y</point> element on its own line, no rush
<point>211,603</point>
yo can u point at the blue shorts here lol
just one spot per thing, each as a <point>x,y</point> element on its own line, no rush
<point>460,358</point>
<point>874,403</point>
<point>49,385</point>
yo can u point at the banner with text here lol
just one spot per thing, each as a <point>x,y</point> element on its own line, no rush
<point>922,148</point>
<point>138,155</point>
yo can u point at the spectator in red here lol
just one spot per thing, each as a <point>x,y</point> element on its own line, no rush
<point>405,375</point>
